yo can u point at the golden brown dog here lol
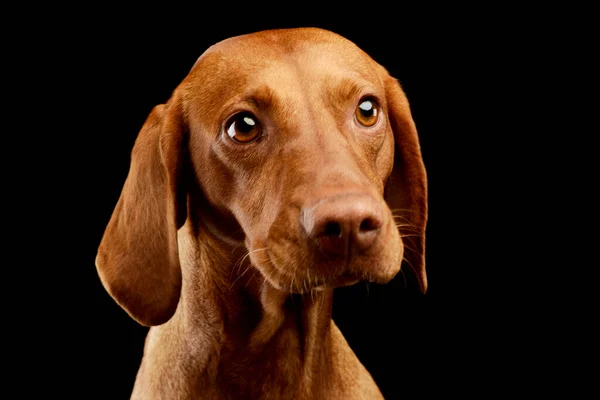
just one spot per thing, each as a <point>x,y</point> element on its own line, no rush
<point>273,174</point>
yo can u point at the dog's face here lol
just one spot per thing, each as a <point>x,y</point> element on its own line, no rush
<point>290,140</point>
<point>308,144</point>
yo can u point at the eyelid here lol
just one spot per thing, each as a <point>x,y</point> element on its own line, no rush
<point>369,97</point>
<point>234,109</point>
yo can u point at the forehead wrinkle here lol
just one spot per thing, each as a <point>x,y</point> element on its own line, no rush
<point>279,88</point>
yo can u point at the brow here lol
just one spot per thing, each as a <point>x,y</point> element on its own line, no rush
<point>266,98</point>
<point>262,97</point>
<point>346,89</point>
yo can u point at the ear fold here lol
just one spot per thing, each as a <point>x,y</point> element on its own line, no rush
<point>406,189</point>
<point>138,260</point>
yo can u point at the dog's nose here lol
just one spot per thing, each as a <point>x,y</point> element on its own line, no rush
<point>339,222</point>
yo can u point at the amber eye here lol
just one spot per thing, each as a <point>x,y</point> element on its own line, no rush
<point>243,128</point>
<point>367,112</point>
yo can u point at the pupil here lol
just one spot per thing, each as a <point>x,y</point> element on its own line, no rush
<point>246,124</point>
<point>366,108</point>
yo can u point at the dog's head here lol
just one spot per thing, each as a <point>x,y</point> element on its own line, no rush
<point>302,140</point>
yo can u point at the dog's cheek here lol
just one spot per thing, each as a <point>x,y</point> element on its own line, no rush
<point>384,161</point>
<point>211,173</point>
<point>389,254</point>
<point>395,252</point>
<point>253,208</point>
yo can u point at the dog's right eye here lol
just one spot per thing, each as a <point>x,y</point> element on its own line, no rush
<point>243,128</point>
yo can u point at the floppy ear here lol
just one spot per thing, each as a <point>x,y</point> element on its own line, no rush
<point>138,260</point>
<point>406,189</point>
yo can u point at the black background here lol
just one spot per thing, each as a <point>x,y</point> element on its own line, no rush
<point>488,324</point>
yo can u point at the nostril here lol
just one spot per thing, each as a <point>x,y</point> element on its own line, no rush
<point>369,224</point>
<point>336,224</point>
<point>332,229</point>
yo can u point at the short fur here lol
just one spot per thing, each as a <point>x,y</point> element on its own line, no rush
<point>227,250</point>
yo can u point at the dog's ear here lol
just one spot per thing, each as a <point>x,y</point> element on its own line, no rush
<point>406,189</point>
<point>138,259</point>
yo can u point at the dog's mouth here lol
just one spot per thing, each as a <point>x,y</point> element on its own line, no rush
<point>308,283</point>
<point>335,242</point>
<point>346,279</point>
<point>299,278</point>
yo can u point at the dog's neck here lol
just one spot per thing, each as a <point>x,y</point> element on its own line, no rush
<point>246,321</point>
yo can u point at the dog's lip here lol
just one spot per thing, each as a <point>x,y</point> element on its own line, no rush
<point>279,276</point>
<point>345,279</point>
<point>286,282</point>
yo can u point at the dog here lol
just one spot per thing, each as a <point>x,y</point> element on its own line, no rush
<point>284,165</point>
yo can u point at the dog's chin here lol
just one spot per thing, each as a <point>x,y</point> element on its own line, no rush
<point>340,281</point>
<point>302,272</point>
<point>312,282</point>
<point>306,286</point>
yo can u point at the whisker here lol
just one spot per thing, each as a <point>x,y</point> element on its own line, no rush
<point>404,278</point>
<point>402,210</point>
<point>252,277</point>
<point>411,267</point>
<point>406,226</point>
<point>241,260</point>
<point>239,276</point>
<point>400,217</point>
<point>409,248</point>
<point>236,246</point>
<point>238,265</point>
<point>410,235</point>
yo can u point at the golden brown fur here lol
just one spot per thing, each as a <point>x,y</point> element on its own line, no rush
<point>231,251</point>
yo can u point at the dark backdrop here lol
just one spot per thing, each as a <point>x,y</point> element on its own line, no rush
<point>475,333</point>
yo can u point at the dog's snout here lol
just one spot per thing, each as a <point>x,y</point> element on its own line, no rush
<point>339,222</point>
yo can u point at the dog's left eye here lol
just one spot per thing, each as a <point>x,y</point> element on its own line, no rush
<point>367,112</point>
<point>243,128</point>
